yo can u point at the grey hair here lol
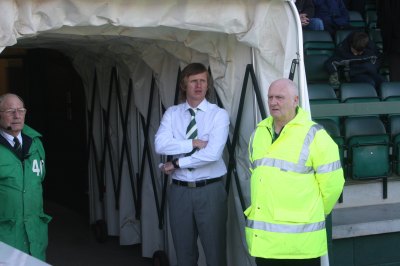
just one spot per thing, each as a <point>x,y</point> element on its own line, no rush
<point>288,83</point>
<point>6,95</point>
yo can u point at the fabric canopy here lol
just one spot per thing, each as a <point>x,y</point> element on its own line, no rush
<point>147,39</point>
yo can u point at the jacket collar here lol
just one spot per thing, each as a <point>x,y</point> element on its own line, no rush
<point>27,135</point>
<point>301,118</point>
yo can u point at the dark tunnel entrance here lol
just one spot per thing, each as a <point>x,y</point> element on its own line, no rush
<point>54,96</point>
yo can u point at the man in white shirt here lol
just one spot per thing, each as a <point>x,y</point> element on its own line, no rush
<point>197,196</point>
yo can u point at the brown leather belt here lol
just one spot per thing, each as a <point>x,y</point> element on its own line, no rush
<point>194,184</point>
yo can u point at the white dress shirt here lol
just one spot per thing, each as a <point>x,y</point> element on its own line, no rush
<point>10,138</point>
<point>212,126</point>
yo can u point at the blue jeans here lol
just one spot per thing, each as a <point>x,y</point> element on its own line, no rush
<point>315,24</point>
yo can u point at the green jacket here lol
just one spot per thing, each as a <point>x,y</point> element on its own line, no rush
<point>23,224</point>
<point>295,182</point>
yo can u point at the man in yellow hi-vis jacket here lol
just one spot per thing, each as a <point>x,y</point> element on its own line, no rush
<point>296,180</point>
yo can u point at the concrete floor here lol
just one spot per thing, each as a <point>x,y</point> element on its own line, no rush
<point>72,243</point>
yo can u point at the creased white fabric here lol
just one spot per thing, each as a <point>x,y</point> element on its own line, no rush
<point>152,38</point>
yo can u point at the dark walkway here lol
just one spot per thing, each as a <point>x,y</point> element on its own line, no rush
<point>72,243</point>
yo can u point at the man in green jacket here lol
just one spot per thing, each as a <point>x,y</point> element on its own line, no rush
<point>296,180</point>
<point>23,224</point>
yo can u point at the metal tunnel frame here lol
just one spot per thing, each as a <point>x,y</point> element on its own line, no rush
<point>125,150</point>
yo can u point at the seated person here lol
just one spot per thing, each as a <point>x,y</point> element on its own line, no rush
<point>306,12</point>
<point>358,58</point>
<point>333,14</point>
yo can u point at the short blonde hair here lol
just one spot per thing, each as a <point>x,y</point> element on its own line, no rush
<point>190,70</point>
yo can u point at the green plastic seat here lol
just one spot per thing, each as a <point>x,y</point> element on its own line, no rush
<point>394,131</point>
<point>315,70</point>
<point>358,92</point>
<point>333,130</point>
<point>341,35</point>
<point>317,42</point>
<point>323,94</point>
<point>356,20</point>
<point>376,36</point>
<point>371,19</point>
<point>370,5</point>
<point>368,148</point>
<point>390,91</point>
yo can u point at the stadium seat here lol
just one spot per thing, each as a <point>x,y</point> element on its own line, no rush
<point>390,91</point>
<point>370,5</point>
<point>317,42</point>
<point>371,19</point>
<point>394,131</point>
<point>322,93</point>
<point>385,72</point>
<point>341,35</point>
<point>315,70</point>
<point>358,92</point>
<point>333,130</point>
<point>376,36</point>
<point>368,148</point>
<point>356,20</point>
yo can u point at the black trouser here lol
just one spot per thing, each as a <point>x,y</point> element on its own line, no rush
<point>374,79</point>
<point>287,262</point>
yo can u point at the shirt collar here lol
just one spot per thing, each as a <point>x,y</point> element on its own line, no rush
<point>203,106</point>
<point>10,138</point>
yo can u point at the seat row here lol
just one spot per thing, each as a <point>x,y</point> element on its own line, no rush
<point>321,42</point>
<point>370,144</point>
<point>315,68</point>
<point>353,92</point>
<point>367,150</point>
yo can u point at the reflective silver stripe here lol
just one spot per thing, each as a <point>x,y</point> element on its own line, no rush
<point>286,228</point>
<point>298,167</point>
<point>283,165</point>
<point>251,143</point>
<point>330,167</point>
<point>305,151</point>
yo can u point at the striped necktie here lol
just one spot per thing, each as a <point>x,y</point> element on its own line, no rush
<point>191,131</point>
<point>17,146</point>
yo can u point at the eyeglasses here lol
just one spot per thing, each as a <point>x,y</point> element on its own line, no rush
<point>10,112</point>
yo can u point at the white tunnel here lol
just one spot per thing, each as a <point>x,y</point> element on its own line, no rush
<point>113,43</point>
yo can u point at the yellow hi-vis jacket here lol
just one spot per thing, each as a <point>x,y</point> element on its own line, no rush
<point>295,183</point>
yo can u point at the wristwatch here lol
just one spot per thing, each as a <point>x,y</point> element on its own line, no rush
<point>174,163</point>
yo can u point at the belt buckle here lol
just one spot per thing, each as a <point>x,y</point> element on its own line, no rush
<point>191,184</point>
